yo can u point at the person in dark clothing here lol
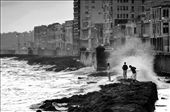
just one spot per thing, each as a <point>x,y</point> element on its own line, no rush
<point>108,71</point>
<point>133,69</point>
<point>125,67</point>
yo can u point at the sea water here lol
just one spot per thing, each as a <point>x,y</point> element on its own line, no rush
<point>23,85</point>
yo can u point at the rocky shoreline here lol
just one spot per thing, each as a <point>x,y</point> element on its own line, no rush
<point>126,96</point>
<point>57,63</point>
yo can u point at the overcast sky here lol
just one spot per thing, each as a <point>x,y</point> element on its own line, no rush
<point>22,16</point>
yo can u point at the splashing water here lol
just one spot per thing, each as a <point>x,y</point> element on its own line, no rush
<point>137,54</point>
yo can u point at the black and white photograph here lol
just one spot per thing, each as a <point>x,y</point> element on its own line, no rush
<point>85,56</point>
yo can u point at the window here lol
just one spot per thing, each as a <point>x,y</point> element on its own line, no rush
<point>127,15</point>
<point>124,16</point>
<point>117,15</point>
<point>117,1</point>
<point>143,1</point>
<point>165,27</point>
<point>132,16</point>
<point>165,13</point>
<point>118,8</point>
<point>92,1</point>
<point>86,12</point>
<point>143,8</point>
<point>135,30</point>
<point>132,8</point>
<point>132,1</point>
<point>93,7</point>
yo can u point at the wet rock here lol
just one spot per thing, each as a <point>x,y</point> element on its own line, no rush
<point>38,111</point>
<point>47,106</point>
<point>126,96</point>
<point>163,98</point>
<point>81,77</point>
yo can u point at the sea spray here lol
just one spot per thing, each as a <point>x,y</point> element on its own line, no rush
<point>137,54</point>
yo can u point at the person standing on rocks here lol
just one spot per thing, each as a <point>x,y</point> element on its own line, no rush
<point>108,71</point>
<point>133,69</point>
<point>125,67</point>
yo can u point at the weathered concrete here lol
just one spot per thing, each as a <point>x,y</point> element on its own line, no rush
<point>127,96</point>
<point>162,64</point>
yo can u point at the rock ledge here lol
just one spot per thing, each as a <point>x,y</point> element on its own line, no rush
<point>127,96</point>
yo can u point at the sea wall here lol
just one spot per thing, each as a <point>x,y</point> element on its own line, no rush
<point>88,58</point>
<point>162,64</point>
<point>126,96</point>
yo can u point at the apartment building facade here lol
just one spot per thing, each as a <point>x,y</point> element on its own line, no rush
<point>111,14</point>
<point>76,27</point>
<point>49,40</point>
<point>91,15</point>
<point>68,35</point>
<point>16,43</point>
<point>156,25</point>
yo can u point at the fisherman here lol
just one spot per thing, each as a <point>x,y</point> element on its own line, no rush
<point>125,67</point>
<point>133,69</point>
<point>108,71</point>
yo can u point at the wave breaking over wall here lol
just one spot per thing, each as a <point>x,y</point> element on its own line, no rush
<point>137,54</point>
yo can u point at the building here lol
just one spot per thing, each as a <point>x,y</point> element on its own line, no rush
<point>110,13</point>
<point>40,37</point>
<point>68,35</point>
<point>16,43</point>
<point>49,40</point>
<point>108,21</point>
<point>76,27</point>
<point>156,24</point>
<point>91,13</point>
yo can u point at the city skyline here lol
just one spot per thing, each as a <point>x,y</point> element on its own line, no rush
<point>22,16</point>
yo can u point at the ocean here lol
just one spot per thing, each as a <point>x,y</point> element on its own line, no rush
<point>24,85</point>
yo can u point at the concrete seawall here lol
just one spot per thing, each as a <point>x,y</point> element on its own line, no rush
<point>162,64</point>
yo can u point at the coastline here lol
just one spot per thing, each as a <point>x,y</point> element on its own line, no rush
<point>127,96</point>
<point>57,63</point>
<point>156,104</point>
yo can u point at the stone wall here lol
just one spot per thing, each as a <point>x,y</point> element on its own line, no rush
<point>162,63</point>
<point>88,58</point>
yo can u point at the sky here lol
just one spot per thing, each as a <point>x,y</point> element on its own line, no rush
<point>23,15</point>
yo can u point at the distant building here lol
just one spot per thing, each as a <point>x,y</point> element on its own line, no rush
<point>68,35</point>
<point>16,43</point>
<point>55,39</point>
<point>49,40</point>
<point>40,37</point>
